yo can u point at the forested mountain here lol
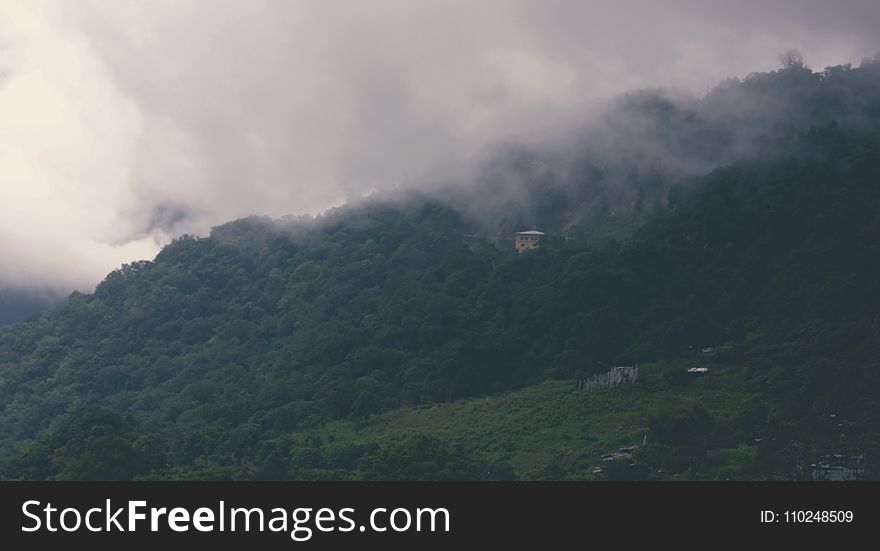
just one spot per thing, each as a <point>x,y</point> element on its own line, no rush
<point>229,356</point>
<point>618,168</point>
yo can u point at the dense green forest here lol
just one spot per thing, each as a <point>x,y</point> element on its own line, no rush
<point>304,348</point>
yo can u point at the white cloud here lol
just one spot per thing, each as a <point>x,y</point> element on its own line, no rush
<point>124,123</point>
<point>66,138</point>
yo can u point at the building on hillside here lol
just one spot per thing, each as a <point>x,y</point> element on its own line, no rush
<point>526,240</point>
<point>630,371</point>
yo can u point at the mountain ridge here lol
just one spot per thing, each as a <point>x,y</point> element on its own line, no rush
<point>211,359</point>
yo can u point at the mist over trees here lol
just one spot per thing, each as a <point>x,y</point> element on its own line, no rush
<point>16,304</point>
<point>747,220</point>
<point>622,162</point>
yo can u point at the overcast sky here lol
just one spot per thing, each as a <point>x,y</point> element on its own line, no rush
<point>125,123</point>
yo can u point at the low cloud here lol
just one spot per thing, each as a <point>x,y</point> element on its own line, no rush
<point>124,124</point>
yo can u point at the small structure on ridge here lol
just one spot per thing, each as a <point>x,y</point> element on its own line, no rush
<point>526,240</point>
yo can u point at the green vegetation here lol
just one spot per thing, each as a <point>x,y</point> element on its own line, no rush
<point>322,348</point>
<point>552,431</point>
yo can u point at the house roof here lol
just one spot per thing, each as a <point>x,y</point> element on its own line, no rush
<point>530,232</point>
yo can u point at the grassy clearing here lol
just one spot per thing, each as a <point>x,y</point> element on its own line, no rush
<point>552,426</point>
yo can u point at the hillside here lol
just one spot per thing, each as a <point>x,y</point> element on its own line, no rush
<point>241,354</point>
<point>699,427</point>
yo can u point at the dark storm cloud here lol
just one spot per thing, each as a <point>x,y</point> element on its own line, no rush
<point>143,120</point>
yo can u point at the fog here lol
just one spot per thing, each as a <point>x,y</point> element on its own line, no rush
<point>124,124</point>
